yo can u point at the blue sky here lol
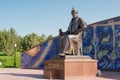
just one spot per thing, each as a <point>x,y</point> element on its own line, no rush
<point>47,16</point>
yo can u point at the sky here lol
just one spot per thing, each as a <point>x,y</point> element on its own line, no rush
<point>48,16</point>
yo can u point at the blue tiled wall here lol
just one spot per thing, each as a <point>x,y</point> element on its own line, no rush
<point>53,50</point>
<point>106,46</point>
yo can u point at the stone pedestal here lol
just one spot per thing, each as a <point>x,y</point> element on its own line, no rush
<point>70,66</point>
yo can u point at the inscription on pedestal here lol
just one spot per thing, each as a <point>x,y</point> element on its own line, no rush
<point>53,65</point>
<point>70,67</point>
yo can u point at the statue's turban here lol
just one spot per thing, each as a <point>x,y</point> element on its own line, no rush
<point>74,11</point>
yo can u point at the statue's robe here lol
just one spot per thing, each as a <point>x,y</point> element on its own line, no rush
<point>71,39</point>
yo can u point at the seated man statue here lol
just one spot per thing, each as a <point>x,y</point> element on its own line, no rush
<point>71,40</point>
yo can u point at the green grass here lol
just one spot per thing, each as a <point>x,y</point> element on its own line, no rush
<point>8,61</point>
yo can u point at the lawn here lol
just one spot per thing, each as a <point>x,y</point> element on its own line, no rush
<point>8,61</point>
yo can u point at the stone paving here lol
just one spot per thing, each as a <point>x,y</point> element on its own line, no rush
<point>35,74</point>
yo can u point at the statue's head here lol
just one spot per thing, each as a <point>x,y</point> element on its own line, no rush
<point>74,13</point>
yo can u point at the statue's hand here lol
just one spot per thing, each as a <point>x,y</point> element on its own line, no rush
<point>60,32</point>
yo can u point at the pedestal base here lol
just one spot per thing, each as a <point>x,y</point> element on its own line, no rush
<point>70,66</point>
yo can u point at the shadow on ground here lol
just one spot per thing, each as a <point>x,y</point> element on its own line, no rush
<point>10,67</point>
<point>110,75</point>
<point>38,76</point>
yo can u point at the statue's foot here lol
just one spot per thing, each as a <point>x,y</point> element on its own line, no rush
<point>67,52</point>
<point>61,54</point>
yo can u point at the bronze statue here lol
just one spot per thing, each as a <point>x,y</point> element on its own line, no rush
<point>70,41</point>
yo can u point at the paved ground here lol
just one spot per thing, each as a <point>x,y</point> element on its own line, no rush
<point>30,74</point>
<point>20,74</point>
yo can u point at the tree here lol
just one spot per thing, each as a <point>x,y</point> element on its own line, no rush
<point>42,38</point>
<point>9,37</point>
<point>49,37</point>
<point>7,40</point>
<point>19,40</point>
<point>30,40</point>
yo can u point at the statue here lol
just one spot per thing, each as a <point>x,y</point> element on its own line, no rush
<point>70,41</point>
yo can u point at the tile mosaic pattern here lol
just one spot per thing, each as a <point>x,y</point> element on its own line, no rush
<point>47,50</point>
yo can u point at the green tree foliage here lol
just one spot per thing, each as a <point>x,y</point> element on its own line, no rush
<point>30,40</point>
<point>42,38</point>
<point>7,40</point>
<point>9,37</point>
<point>49,37</point>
